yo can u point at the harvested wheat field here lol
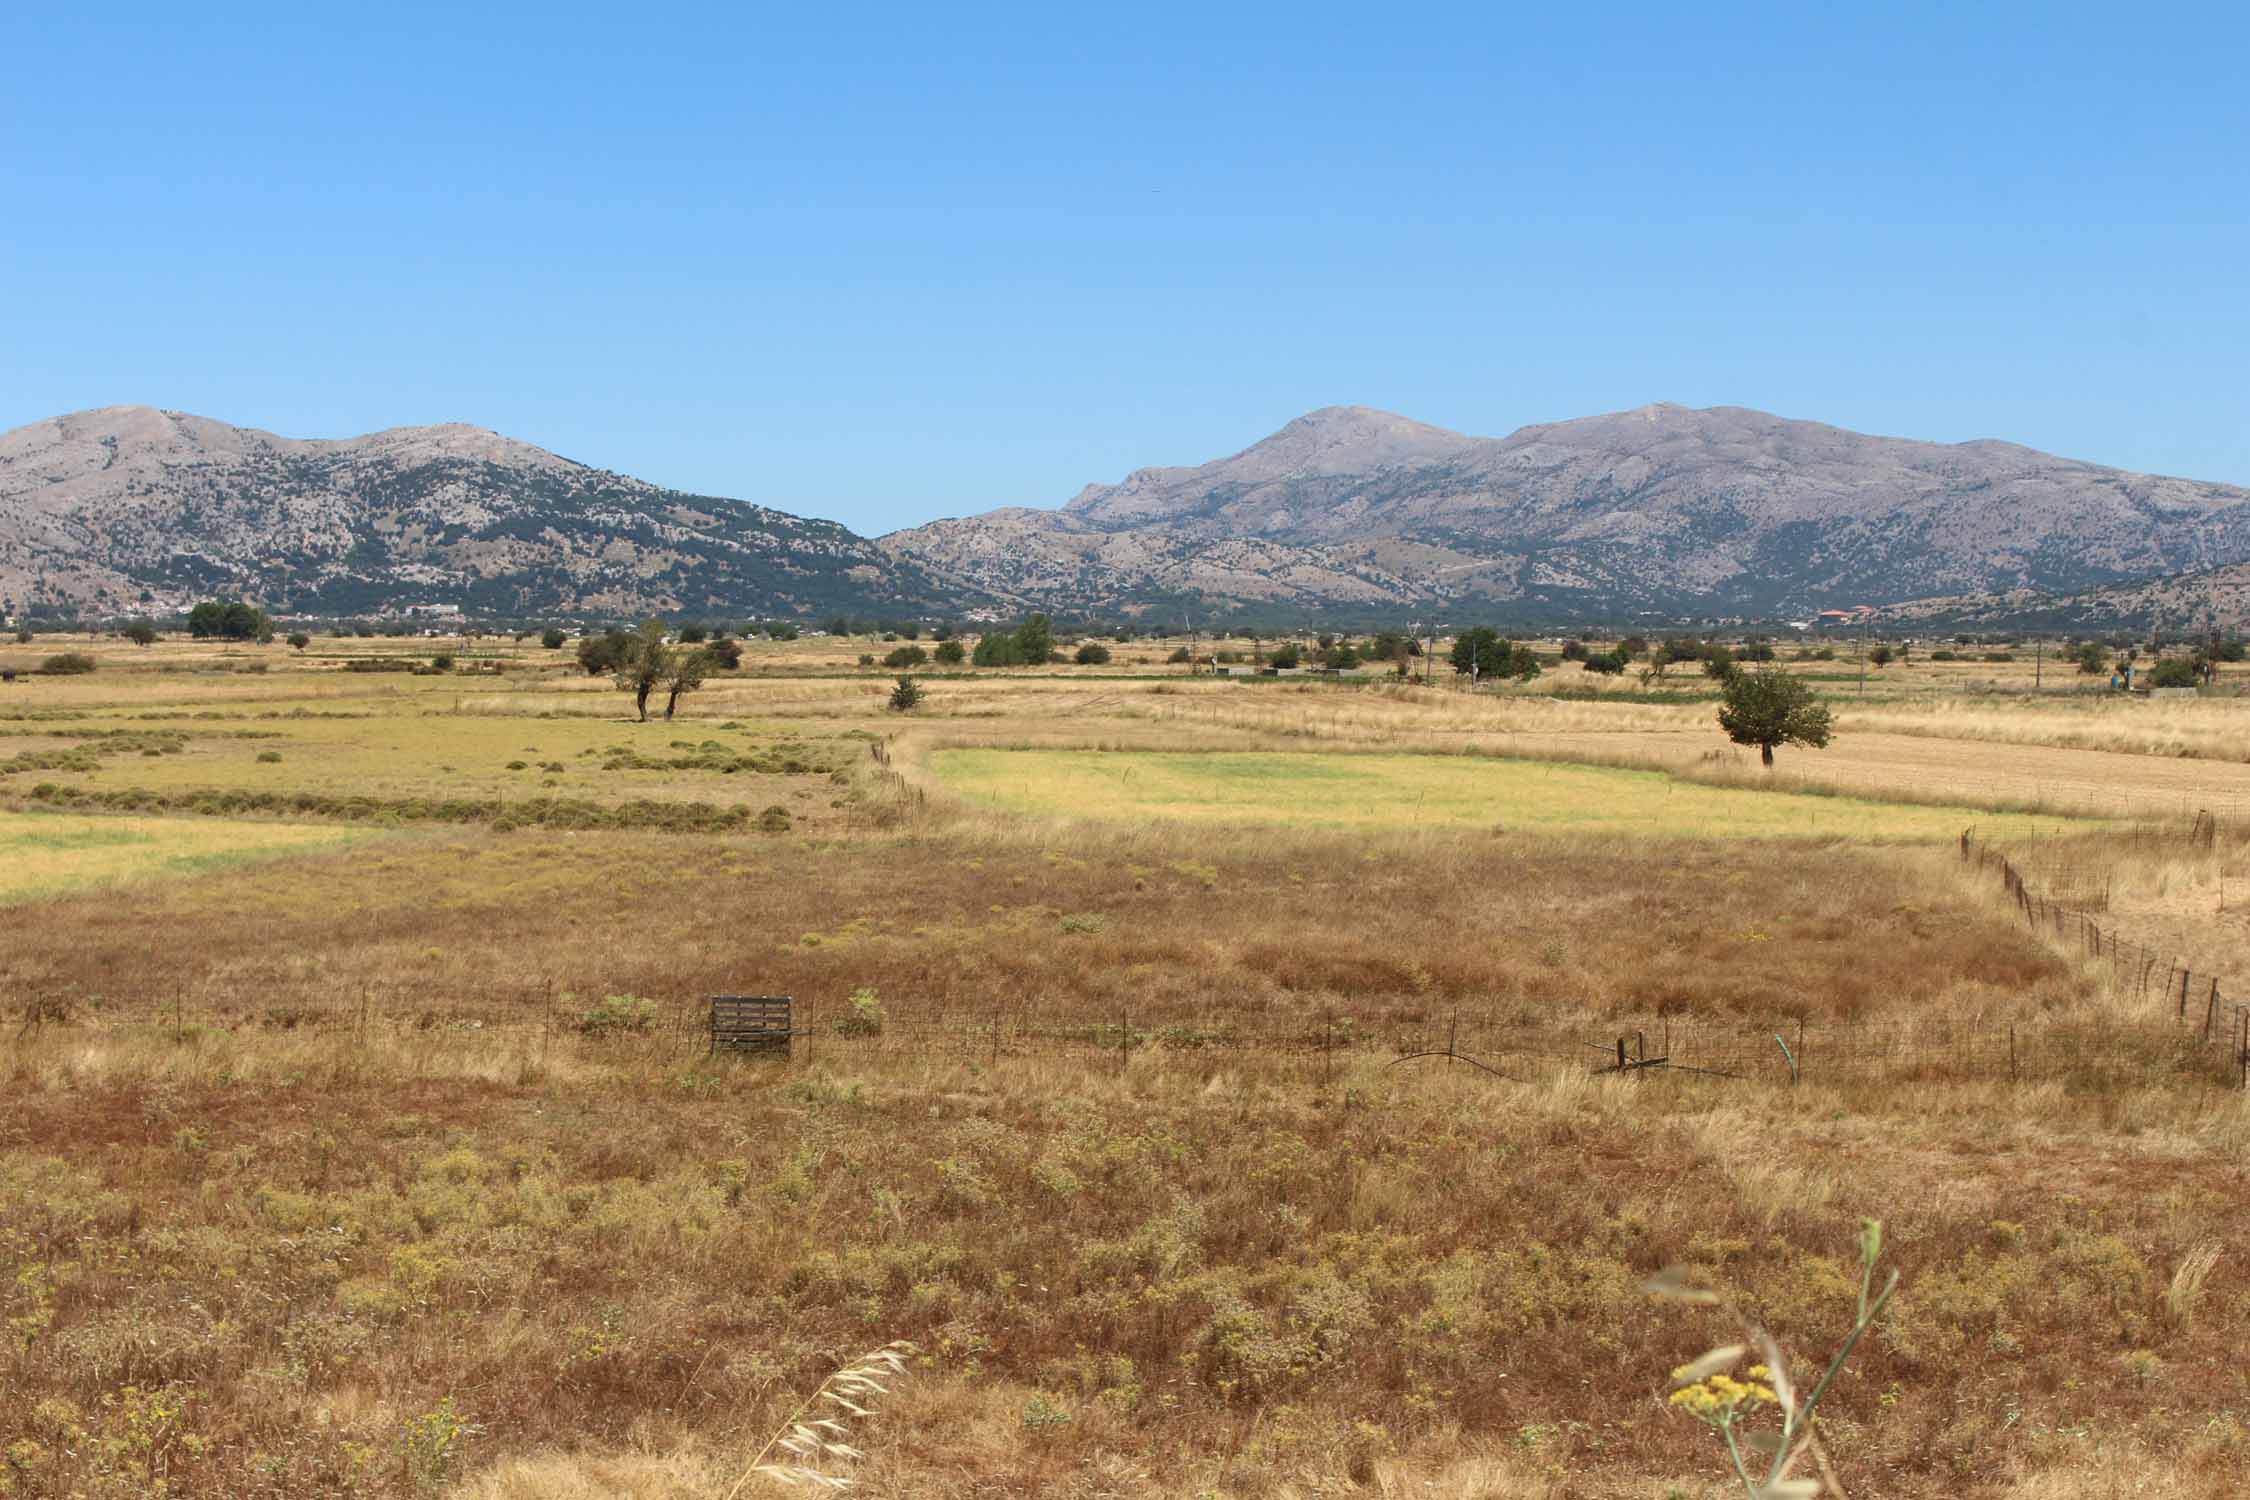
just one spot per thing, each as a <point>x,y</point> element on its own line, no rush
<point>1200,1088</point>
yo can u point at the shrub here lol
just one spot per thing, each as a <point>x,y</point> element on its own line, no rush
<point>618,1013</point>
<point>774,819</point>
<point>299,640</point>
<point>269,757</point>
<point>1284,656</point>
<point>1093,654</point>
<point>552,638</point>
<point>867,658</point>
<point>1181,653</point>
<point>68,664</point>
<point>906,696</point>
<point>864,1015</point>
<point>950,653</point>
<point>443,661</point>
<point>2176,672</point>
<point>906,656</point>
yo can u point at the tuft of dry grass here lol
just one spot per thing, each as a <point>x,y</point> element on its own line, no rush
<point>2185,1289</point>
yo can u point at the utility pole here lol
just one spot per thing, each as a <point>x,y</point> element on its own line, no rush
<point>1863,656</point>
<point>2038,662</point>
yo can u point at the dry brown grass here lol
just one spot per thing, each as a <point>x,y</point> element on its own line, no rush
<point>314,1180</point>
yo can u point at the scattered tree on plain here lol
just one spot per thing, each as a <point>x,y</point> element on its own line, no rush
<point>606,653</point>
<point>949,653</point>
<point>906,695</point>
<point>1482,652</point>
<point>140,633</point>
<point>1029,644</point>
<point>1093,654</point>
<point>229,620</point>
<point>648,661</point>
<point>1768,708</point>
<point>683,674</point>
<point>299,640</point>
<point>553,638</point>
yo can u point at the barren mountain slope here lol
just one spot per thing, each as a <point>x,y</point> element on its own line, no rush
<point>128,508</point>
<point>1661,508</point>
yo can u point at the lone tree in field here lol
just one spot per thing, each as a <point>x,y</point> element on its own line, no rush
<point>141,633</point>
<point>1768,708</point>
<point>646,663</point>
<point>683,673</point>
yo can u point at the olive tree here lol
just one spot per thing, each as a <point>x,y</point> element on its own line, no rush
<point>1768,708</point>
<point>646,663</point>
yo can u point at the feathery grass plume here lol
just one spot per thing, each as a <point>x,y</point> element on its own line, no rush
<point>815,1444</point>
<point>1706,1392</point>
<point>2187,1284</point>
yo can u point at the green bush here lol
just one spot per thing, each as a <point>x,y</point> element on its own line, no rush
<point>864,1017</point>
<point>618,1013</point>
<point>1093,654</point>
<point>68,664</point>
<point>2176,672</point>
<point>950,653</point>
<point>906,656</point>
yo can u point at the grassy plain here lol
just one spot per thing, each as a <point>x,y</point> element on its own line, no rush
<point>1368,791</point>
<point>394,1165</point>
<point>41,855</point>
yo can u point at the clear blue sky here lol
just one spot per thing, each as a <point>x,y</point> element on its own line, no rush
<point>885,263</point>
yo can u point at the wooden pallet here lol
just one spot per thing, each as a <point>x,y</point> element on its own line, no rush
<point>751,1023</point>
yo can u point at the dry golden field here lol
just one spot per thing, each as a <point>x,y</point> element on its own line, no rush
<point>358,1137</point>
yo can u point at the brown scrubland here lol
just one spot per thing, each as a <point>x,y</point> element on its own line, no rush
<point>400,1166</point>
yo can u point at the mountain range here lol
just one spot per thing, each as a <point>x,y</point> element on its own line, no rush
<point>131,510</point>
<point>1661,512</point>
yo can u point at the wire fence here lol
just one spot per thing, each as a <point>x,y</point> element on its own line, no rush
<point>2174,1023</point>
<point>2191,1001</point>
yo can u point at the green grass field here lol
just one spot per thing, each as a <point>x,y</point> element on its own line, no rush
<point>1426,791</point>
<point>44,854</point>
